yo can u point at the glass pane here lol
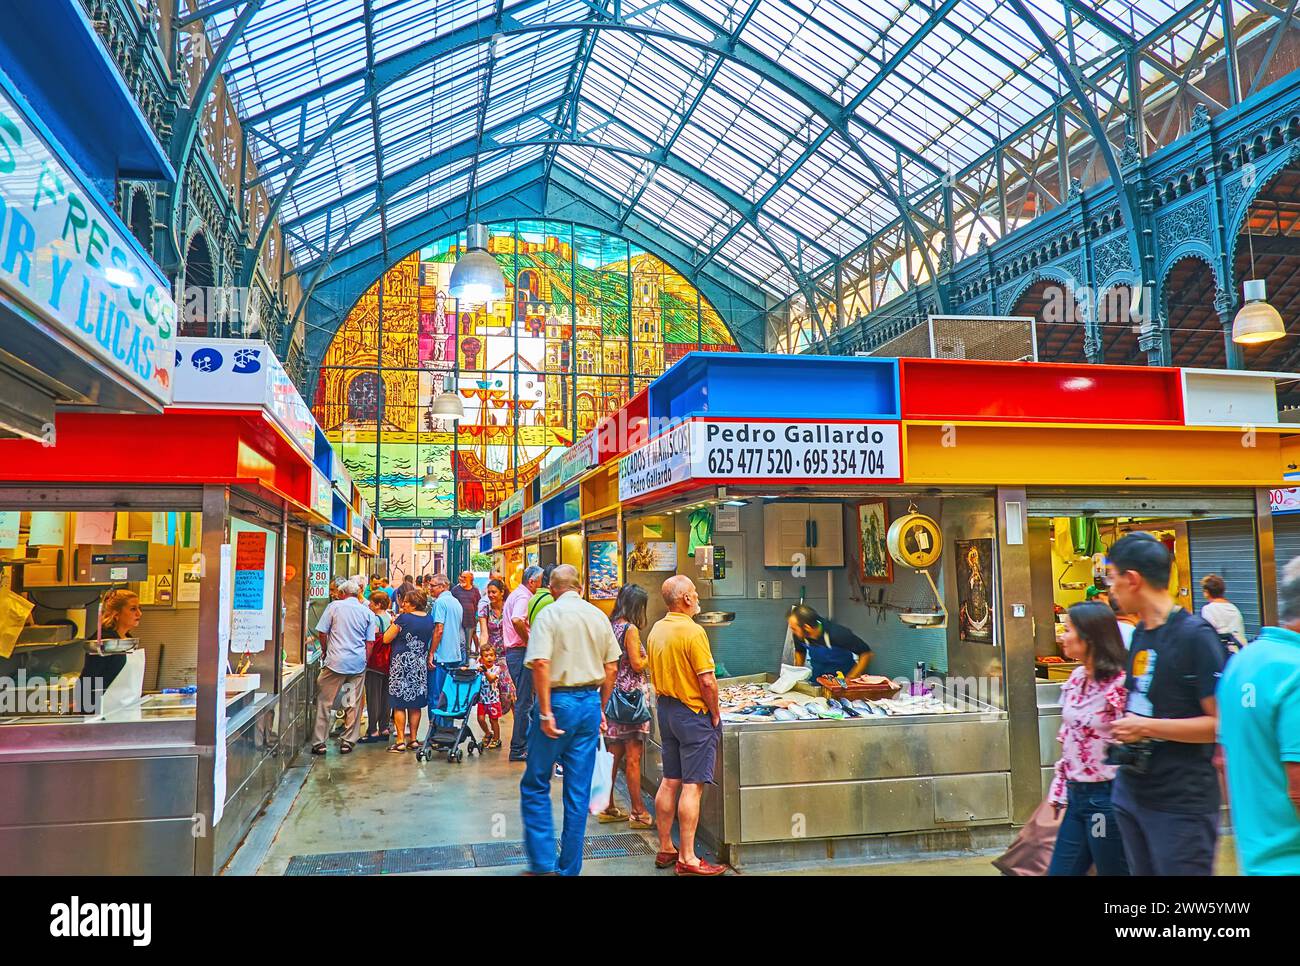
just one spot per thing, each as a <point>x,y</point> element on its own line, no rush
<point>533,371</point>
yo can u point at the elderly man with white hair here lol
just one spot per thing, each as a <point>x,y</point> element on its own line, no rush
<point>573,655</point>
<point>690,724</point>
<point>344,630</point>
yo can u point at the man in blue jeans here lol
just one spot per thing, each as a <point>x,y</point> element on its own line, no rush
<point>1166,795</point>
<point>447,650</point>
<point>573,656</point>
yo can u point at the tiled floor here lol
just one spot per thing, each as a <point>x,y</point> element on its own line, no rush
<point>373,800</point>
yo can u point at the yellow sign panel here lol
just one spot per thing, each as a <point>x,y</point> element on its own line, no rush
<point>1094,456</point>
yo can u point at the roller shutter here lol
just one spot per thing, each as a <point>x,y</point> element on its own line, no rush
<point>1227,548</point>
<point>1286,540</point>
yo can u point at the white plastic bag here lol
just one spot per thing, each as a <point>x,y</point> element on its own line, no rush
<point>602,779</point>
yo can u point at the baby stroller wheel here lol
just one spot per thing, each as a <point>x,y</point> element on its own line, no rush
<point>460,756</point>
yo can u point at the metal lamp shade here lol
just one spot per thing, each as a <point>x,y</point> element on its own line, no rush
<point>1257,321</point>
<point>448,405</point>
<point>476,278</point>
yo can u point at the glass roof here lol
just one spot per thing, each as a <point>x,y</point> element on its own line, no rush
<point>770,135</point>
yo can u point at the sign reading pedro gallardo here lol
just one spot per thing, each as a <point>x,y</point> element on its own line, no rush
<point>68,261</point>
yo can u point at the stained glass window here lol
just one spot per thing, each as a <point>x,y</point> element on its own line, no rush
<point>587,320</point>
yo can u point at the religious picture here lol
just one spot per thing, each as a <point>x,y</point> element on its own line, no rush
<point>975,609</point>
<point>874,563</point>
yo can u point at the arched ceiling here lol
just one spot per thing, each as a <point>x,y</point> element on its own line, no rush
<point>769,137</point>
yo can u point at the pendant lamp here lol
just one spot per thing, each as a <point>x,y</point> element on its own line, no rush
<point>476,278</point>
<point>447,404</point>
<point>1256,321</point>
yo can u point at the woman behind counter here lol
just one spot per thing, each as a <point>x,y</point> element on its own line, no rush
<point>119,617</point>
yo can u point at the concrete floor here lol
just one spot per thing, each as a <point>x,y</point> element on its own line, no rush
<point>371,800</point>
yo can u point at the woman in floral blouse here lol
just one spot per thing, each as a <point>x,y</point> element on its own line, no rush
<point>1091,701</point>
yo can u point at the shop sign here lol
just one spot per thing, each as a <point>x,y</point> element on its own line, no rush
<point>662,462</point>
<point>511,505</point>
<point>806,450</point>
<point>243,372</point>
<point>318,568</point>
<point>1285,500</point>
<point>549,478</point>
<point>764,451</point>
<point>67,259</point>
<point>577,459</point>
<point>532,524</point>
<point>358,530</point>
<point>322,495</point>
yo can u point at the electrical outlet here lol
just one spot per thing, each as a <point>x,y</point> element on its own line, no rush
<point>776,590</point>
<point>762,590</point>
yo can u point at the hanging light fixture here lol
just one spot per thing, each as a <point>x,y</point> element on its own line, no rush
<point>476,278</point>
<point>447,404</point>
<point>1256,321</point>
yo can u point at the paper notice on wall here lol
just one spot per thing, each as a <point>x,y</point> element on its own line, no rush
<point>9,529</point>
<point>94,528</point>
<point>164,528</point>
<point>223,601</point>
<point>223,657</point>
<point>49,529</point>
<point>249,626</point>
<point>147,591</point>
<point>188,591</point>
<point>726,519</point>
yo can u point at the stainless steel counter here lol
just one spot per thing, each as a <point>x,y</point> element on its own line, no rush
<point>122,798</point>
<point>786,790</point>
<point>1049,723</point>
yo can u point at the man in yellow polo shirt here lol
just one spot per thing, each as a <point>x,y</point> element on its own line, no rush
<point>690,724</point>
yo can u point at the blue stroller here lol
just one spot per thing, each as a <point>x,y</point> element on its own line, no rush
<point>449,716</point>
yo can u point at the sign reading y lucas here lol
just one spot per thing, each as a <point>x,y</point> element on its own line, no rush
<point>69,261</point>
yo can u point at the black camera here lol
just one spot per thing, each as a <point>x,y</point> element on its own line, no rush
<point>1136,757</point>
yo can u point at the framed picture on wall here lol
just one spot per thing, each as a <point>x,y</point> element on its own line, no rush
<point>602,569</point>
<point>976,614</point>
<point>874,563</point>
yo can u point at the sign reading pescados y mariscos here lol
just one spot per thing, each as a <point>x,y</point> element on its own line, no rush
<point>69,262</point>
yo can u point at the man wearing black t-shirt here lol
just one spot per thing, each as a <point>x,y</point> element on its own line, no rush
<point>827,647</point>
<point>1166,796</point>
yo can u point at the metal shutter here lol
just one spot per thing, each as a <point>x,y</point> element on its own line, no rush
<point>1286,540</point>
<point>1227,548</point>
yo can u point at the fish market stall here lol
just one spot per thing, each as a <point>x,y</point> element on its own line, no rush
<point>933,763</point>
<point>935,523</point>
<point>161,580</point>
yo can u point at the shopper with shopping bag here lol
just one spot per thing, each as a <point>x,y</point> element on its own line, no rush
<point>573,657</point>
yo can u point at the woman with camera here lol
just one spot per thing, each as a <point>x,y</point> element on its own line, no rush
<point>1092,699</point>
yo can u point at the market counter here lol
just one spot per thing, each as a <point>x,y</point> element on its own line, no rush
<point>864,787</point>
<point>121,797</point>
<point>1049,723</point>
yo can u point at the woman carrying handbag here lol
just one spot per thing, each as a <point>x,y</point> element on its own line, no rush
<point>627,714</point>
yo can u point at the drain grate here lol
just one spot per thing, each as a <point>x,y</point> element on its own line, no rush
<point>619,846</point>
<point>488,854</point>
<point>336,863</point>
<point>433,859</point>
<point>437,858</point>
